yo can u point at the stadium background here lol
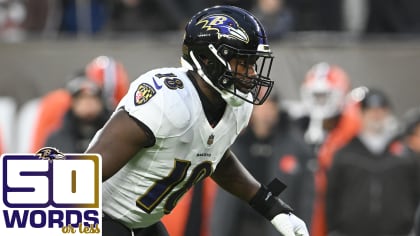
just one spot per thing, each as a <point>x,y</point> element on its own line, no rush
<point>30,69</point>
<point>32,66</point>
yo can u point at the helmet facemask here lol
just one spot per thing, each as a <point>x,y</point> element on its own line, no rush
<point>241,84</point>
<point>227,46</point>
<point>235,87</point>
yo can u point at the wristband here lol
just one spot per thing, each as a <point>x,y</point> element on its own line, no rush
<point>266,201</point>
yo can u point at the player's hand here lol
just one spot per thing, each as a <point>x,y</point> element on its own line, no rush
<point>289,225</point>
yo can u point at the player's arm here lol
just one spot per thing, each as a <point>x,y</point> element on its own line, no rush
<point>232,176</point>
<point>121,138</point>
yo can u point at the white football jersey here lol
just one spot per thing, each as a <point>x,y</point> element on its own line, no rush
<point>187,147</point>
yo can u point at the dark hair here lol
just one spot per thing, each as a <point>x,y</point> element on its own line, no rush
<point>375,98</point>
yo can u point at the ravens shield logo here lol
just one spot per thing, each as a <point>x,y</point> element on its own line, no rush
<point>50,153</point>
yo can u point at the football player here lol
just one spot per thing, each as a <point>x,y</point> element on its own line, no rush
<point>174,128</point>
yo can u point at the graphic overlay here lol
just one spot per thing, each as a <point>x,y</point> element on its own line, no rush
<point>50,193</point>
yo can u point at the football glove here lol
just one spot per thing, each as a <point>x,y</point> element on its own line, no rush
<point>290,225</point>
<point>276,211</point>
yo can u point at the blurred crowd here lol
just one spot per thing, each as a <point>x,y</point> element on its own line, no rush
<point>351,163</point>
<point>352,166</point>
<point>24,19</point>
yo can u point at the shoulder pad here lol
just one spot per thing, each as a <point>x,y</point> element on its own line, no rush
<point>161,99</point>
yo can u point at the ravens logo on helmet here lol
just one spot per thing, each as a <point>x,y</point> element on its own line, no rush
<point>50,153</point>
<point>215,36</point>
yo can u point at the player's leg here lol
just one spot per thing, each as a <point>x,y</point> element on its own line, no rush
<point>157,229</point>
<point>111,227</point>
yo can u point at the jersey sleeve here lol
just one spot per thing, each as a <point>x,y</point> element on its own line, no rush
<point>151,102</point>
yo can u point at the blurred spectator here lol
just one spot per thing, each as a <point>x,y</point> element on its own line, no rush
<point>411,145</point>
<point>87,114</point>
<point>244,4</point>
<point>354,16</point>
<point>269,146</point>
<point>109,73</point>
<point>111,76</point>
<point>12,16</point>
<point>39,117</point>
<point>193,6</point>
<point>411,132</point>
<point>370,191</point>
<point>66,17</point>
<point>379,126</point>
<point>332,121</point>
<point>82,16</point>
<point>323,93</point>
<point>38,14</point>
<point>391,16</point>
<point>147,15</point>
<point>324,15</point>
<point>9,108</point>
<point>276,17</point>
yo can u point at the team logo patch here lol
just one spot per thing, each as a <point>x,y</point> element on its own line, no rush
<point>225,26</point>
<point>210,140</point>
<point>50,153</point>
<point>50,193</point>
<point>143,94</point>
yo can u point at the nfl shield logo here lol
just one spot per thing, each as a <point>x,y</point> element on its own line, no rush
<point>210,140</point>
